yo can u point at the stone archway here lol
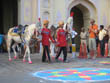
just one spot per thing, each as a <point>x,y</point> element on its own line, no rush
<point>87,8</point>
<point>84,11</point>
<point>81,19</point>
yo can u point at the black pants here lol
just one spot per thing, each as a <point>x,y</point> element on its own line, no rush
<point>102,47</point>
<point>64,49</point>
<point>46,51</point>
<point>1,50</point>
<point>72,40</point>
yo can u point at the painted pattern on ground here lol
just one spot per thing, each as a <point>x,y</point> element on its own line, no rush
<point>75,74</point>
<point>105,62</point>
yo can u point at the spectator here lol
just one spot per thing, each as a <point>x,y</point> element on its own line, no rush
<point>92,38</point>
<point>83,36</point>
<point>108,29</point>
<point>102,34</point>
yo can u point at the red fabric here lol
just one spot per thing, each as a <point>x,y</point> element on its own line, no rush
<point>72,13</point>
<point>46,36</point>
<point>39,19</point>
<point>61,38</point>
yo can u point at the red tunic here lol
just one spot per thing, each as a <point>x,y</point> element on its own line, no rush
<point>61,38</point>
<point>46,36</point>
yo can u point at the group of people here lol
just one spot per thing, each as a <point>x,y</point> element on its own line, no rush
<point>91,39</point>
<point>95,37</point>
<point>59,38</point>
<point>61,41</point>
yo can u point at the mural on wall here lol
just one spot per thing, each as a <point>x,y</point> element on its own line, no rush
<point>105,62</point>
<point>27,11</point>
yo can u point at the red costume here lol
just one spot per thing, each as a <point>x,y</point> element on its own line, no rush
<point>61,38</point>
<point>45,37</point>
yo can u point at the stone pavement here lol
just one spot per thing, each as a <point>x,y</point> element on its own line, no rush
<point>19,72</point>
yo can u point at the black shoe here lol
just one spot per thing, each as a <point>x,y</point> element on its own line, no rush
<point>43,61</point>
<point>66,61</point>
<point>57,60</point>
<point>108,56</point>
<point>49,61</point>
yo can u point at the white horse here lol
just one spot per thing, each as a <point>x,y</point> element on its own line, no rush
<point>28,33</point>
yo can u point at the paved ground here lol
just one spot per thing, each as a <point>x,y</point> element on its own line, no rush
<point>18,72</point>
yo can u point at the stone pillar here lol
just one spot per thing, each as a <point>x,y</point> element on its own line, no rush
<point>34,11</point>
<point>25,12</point>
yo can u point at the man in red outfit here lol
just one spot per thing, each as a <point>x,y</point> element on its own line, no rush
<point>62,43</point>
<point>45,40</point>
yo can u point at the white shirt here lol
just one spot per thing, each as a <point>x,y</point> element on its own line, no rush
<point>83,35</point>
<point>70,23</point>
<point>73,33</point>
<point>102,33</point>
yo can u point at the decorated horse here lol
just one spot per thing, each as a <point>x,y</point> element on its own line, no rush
<point>23,38</point>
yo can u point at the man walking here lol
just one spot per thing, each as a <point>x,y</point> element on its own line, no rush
<point>62,42</point>
<point>46,35</point>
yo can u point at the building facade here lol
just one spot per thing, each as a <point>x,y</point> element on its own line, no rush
<point>16,12</point>
<point>27,11</point>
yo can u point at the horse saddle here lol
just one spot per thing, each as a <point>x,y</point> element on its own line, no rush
<point>14,32</point>
<point>19,31</point>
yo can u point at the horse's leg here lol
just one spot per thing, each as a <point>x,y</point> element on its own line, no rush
<point>15,53</point>
<point>29,59</point>
<point>9,55</point>
<point>25,54</point>
<point>8,48</point>
<point>22,51</point>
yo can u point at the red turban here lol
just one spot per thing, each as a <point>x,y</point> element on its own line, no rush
<point>45,22</point>
<point>72,14</point>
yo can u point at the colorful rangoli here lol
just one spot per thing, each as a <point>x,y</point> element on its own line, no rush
<point>105,62</point>
<point>75,74</point>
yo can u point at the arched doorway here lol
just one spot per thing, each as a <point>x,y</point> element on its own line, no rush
<point>80,19</point>
<point>84,10</point>
<point>8,15</point>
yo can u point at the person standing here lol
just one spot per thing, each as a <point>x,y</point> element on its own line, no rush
<point>62,42</point>
<point>73,34</point>
<point>46,35</point>
<point>92,38</point>
<point>102,34</point>
<point>83,36</point>
<point>108,33</point>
